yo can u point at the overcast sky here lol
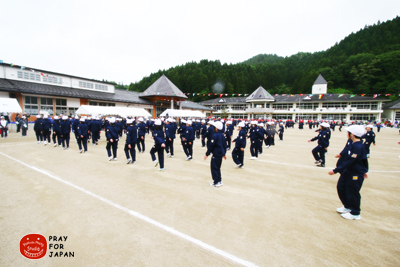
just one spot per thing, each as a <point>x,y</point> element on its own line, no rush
<point>124,41</point>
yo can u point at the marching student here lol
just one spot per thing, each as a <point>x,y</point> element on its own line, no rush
<point>353,169</point>
<point>169,138</point>
<point>203,132</point>
<point>218,150</point>
<point>159,145</point>
<point>83,134</point>
<point>228,134</point>
<point>24,126</point>
<point>240,145</point>
<point>46,129</point>
<point>323,143</point>
<point>210,132</point>
<point>112,140</point>
<point>141,135</point>
<point>369,138</point>
<point>254,136</point>
<point>65,130</point>
<point>56,131</point>
<point>281,131</point>
<point>37,127</point>
<point>130,143</point>
<point>188,137</point>
<point>95,130</point>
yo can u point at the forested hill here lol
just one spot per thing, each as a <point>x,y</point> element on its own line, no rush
<point>365,62</point>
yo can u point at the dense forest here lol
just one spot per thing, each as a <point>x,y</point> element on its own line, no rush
<point>365,62</point>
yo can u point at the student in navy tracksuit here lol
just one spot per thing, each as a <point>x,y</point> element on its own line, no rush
<point>38,128</point>
<point>263,134</point>
<point>353,169</point>
<point>46,129</point>
<point>323,143</point>
<point>131,139</point>
<point>240,145</point>
<point>210,132</point>
<point>188,137</point>
<point>369,138</point>
<point>95,130</point>
<point>254,136</point>
<point>159,145</point>
<point>65,130</point>
<point>228,134</point>
<point>203,132</point>
<point>141,135</point>
<point>281,131</point>
<point>169,138</point>
<point>112,139</point>
<point>56,131</point>
<point>83,133</point>
<point>218,150</point>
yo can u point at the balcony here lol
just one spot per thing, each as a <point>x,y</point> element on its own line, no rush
<point>259,110</point>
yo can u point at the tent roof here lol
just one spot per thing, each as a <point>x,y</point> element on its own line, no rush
<point>9,105</point>
<point>105,111</point>
<point>163,87</point>
<point>182,113</point>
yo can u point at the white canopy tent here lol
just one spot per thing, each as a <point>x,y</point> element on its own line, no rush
<point>109,111</point>
<point>182,113</point>
<point>9,105</point>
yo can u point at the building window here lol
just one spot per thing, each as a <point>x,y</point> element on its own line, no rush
<point>282,116</point>
<point>363,117</point>
<point>282,106</point>
<point>220,107</point>
<point>238,107</point>
<point>397,115</point>
<point>51,79</point>
<point>101,87</point>
<point>306,116</point>
<point>111,104</point>
<point>86,85</point>
<point>31,105</point>
<point>61,106</point>
<point>239,116</point>
<point>93,103</point>
<point>307,106</point>
<point>28,75</point>
<point>46,104</point>
<point>341,105</point>
<point>103,104</point>
<point>334,117</point>
<point>365,105</point>
<point>71,111</point>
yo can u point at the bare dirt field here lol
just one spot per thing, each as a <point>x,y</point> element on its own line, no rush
<point>280,210</point>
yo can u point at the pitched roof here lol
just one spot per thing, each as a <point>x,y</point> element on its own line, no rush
<point>192,105</point>
<point>260,94</point>
<point>163,87</point>
<point>225,100</point>
<point>320,80</point>
<point>61,91</point>
<point>392,105</point>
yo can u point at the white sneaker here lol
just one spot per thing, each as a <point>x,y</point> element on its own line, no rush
<point>266,146</point>
<point>115,159</point>
<point>45,142</point>
<point>238,165</point>
<point>350,216</point>
<point>253,158</point>
<point>155,163</point>
<point>161,169</point>
<point>80,151</point>
<point>134,162</point>
<point>219,184</point>
<point>37,141</point>
<point>110,158</point>
<point>55,145</point>
<point>128,161</point>
<point>343,210</point>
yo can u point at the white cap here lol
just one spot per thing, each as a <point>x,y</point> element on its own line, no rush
<point>111,120</point>
<point>369,126</point>
<point>229,122</point>
<point>129,121</point>
<point>241,124</point>
<point>253,122</point>
<point>45,116</point>
<point>211,122</point>
<point>189,122</point>
<point>65,117</point>
<point>157,122</point>
<point>183,121</point>
<point>261,124</point>
<point>203,121</point>
<point>325,124</point>
<point>38,116</point>
<point>82,119</point>
<point>76,117</point>
<point>140,119</point>
<point>218,125</point>
<point>357,130</point>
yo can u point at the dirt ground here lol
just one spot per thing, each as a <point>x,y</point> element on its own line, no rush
<point>280,210</point>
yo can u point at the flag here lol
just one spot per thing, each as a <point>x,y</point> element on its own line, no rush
<point>11,64</point>
<point>291,95</point>
<point>239,94</point>
<point>41,74</point>
<point>226,94</point>
<point>32,70</point>
<point>311,95</point>
<point>388,95</point>
<point>376,95</point>
<point>22,67</point>
<point>362,94</point>
<point>352,96</point>
<point>341,95</point>
<point>209,94</point>
<point>1,61</point>
<point>220,95</point>
<point>245,94</point>
<point>320,96</point>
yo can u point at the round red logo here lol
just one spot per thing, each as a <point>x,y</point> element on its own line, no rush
<point>33,246</point>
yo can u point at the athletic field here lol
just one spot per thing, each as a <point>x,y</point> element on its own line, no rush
<point>280,210</point>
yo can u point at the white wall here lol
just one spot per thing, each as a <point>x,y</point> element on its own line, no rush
<point>73,102</point>
<point>4,95</point>
<point>319,89</point>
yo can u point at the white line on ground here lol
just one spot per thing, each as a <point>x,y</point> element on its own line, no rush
<point>142,217</point>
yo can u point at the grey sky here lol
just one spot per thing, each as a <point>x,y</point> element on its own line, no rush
<point>124,41</point>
